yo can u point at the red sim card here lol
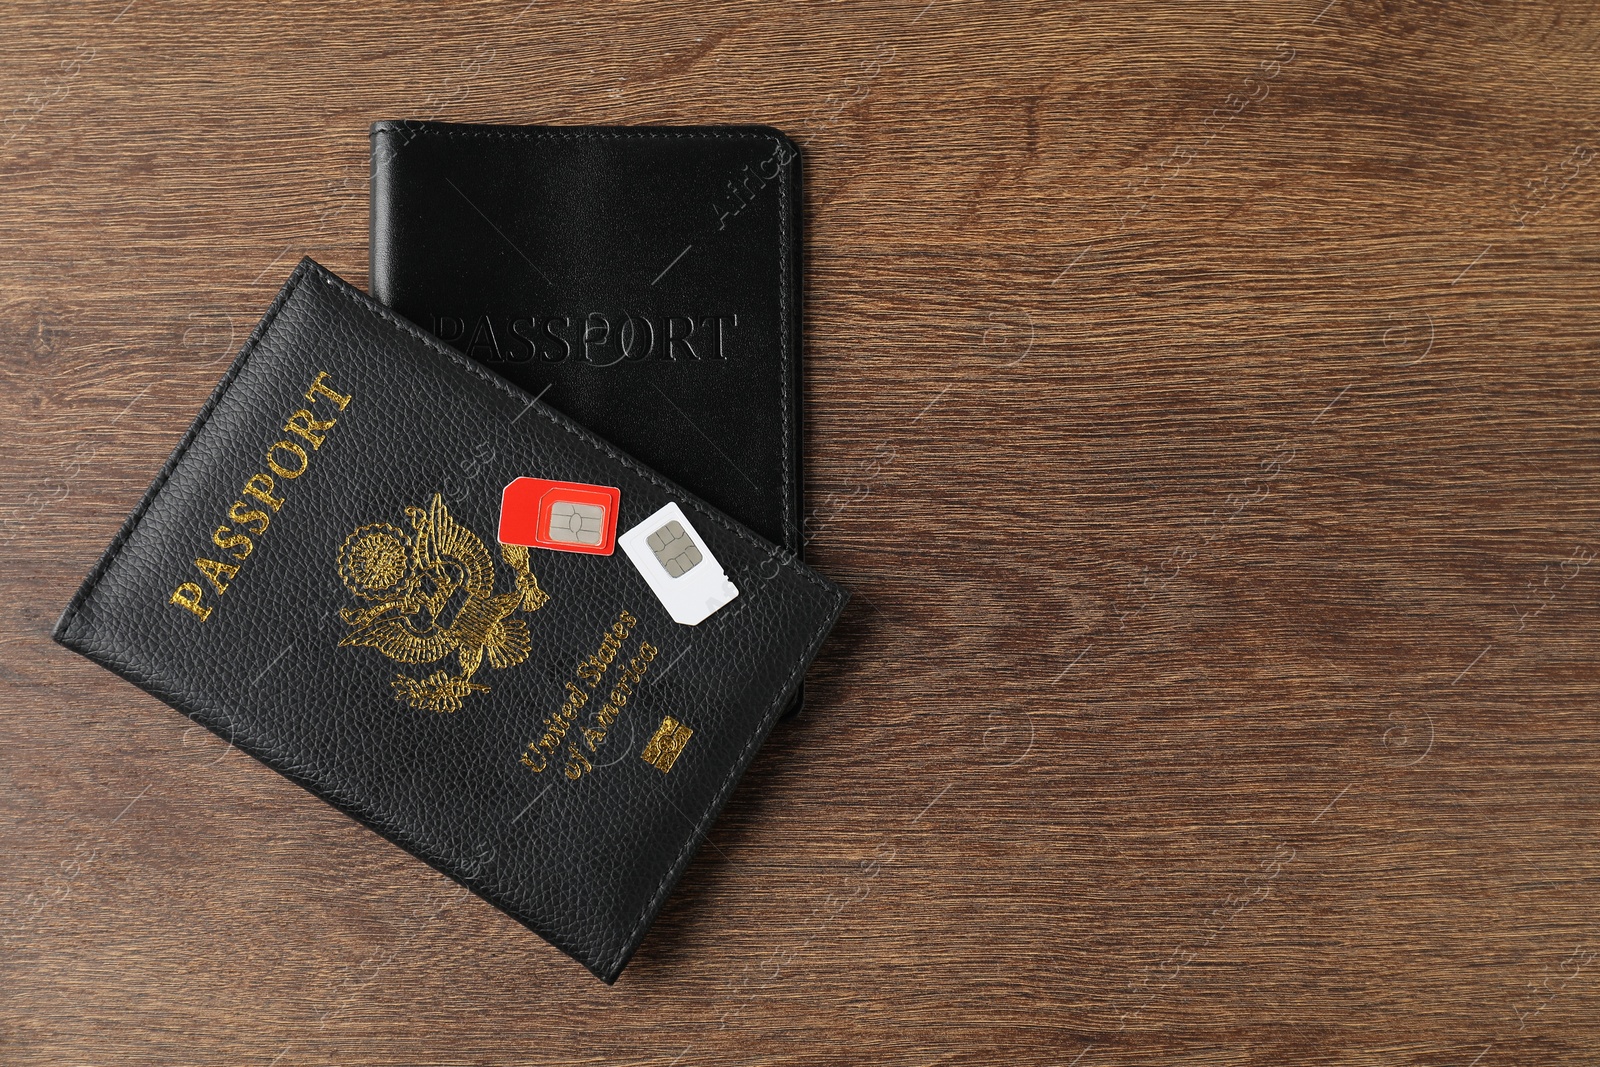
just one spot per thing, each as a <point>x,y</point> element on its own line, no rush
<point>565,516</point>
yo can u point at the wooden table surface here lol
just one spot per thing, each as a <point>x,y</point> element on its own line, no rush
<point>1201,404</point>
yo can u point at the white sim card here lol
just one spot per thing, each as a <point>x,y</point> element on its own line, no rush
<point>675,560</point>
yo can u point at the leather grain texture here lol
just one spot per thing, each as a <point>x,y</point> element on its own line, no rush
<point>372,551</point>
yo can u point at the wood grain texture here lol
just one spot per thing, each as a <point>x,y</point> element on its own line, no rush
<point>1202,404</point>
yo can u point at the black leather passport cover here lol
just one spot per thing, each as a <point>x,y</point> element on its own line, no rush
<point>647,277</point>
<point>314,576</point>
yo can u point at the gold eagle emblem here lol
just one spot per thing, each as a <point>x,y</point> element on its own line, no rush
<point>430,595</point>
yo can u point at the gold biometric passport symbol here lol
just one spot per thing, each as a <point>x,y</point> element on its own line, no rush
<point>430,594</point>
<point>666,745</point>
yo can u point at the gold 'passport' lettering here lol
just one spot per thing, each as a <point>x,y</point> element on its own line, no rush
<point>261,496</point>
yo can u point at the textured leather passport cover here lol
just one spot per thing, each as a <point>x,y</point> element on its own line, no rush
<point>647,277</point>
<point>314,577</point>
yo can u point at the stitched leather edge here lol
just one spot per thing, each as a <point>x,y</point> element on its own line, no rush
<point>356,296</point>
<point>270,755</point>
<point>97,572</point>
<point>450,865</point>
<point>787,559</point>
<point>630,944</point>
<point>412,129</point>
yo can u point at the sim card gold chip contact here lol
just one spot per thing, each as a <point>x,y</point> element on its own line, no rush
<point>582,524</point>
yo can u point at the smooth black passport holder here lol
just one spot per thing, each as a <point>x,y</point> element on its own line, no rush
<point>315,576</point>
<point>644,280</point>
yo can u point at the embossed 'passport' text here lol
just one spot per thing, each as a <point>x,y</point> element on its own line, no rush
<point>600,338</point>
<point>261,496</point>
